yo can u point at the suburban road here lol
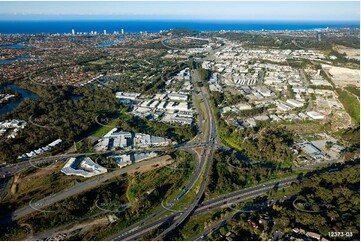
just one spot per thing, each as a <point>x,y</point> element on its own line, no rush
<point>11,169</point>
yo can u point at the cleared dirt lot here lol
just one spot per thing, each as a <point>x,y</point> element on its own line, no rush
<point>163,161</point>
<point>346,50</point>
<point>343,76</point>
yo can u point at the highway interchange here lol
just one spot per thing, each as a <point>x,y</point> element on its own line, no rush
<point>157,218</point>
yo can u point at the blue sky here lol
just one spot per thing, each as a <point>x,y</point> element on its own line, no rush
<point>256,10</point>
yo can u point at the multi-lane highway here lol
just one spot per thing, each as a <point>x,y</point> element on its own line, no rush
<point>205,163</point>
<point>77,188</point>
<point>137,232</point>
<point>11,169</point>
<point>222,201</point>
<point>172,221</point>
<point>200,172</point>
<point>93,182</point>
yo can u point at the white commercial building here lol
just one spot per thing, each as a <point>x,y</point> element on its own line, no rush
<point>284,107</point>
<point>182,106</point>
<point>315,115</point>
<point>174,118</point>
<point>295,103</point>
<point>82,167</point>
<point>243,106</point>
<point>178,96</point>
<point>142,140</point>
<point>41,150</point>
<point>127,95</point>
<point>127,159</point>
<point>114,140</point>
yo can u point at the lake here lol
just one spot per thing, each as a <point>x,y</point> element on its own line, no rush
<point>75,97</point>
<point>106,44</point>
<point>11,61</point>
<point>12,105</point>
<point>15,46</point>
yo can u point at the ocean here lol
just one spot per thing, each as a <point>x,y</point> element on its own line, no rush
<point>65,26</point>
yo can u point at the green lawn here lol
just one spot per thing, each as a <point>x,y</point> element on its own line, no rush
<point>354,90</point>
<point>351,104</point>
<point>122,115</point>
<point>99,62</point>
<point>105,129</point>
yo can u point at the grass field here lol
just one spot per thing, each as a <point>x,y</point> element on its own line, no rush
<point>105,129</point>
<point>112,124</point>
<point>354,90</point>
<point>202,108</point>
<point>99,62</point>
<point>351,105</point>
<point>35,183</point>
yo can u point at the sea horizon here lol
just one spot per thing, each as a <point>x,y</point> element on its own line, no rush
<point>142,25</point>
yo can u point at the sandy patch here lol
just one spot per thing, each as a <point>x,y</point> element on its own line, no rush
<point>347,50</point>
<point>164,160</point>
<point>343,76</point>
<point>172,56</point>
<point>15,184</point>
<point>199,151</point>
<point>82,227</point>
<point>42,172</point>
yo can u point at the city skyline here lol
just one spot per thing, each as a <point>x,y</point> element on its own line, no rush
<point>204,10</point>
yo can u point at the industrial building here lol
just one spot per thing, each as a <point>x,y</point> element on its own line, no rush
<point>113,140</point>
<point>178,96</point>
<point>315,115</point>
<point>119,140</point>
<point>84,167</point>
<point>312,150</point>
<point>284,107</point>
<point>127,159</point>
<point>175,118</point>
<point>145,140</point>
<point>127,95</point>
<point>295,103</point>
<point>41,150</point>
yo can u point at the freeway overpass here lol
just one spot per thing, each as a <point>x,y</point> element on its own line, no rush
<point>222,201</point>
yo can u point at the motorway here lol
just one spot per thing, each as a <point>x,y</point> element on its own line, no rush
<point>205,159</point>
<point>202,168</point>
<point>137,232</point>
<point>205,163</point>
<point>11,169</point>
<point>94,182</point>
<point>140,228</point>
<point>78,188</point>
<point>218,202</point>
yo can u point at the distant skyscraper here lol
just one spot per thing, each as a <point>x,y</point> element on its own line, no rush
<point>122,31</point>
<point>73,31</point>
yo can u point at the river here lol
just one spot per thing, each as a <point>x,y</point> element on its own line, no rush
<point>12,105</point>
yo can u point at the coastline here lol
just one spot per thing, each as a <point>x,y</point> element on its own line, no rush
<point>134,26</point>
